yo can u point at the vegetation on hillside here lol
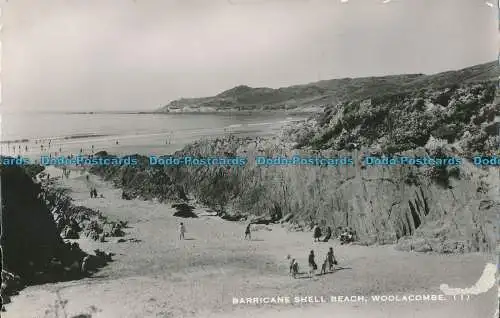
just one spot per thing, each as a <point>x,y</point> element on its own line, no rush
<point>318,94</point>
<point>400,122</point>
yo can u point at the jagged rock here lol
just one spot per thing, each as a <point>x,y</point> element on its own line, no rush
<point>286,218</point>
<point>69,233</point>
<point>266,220</point>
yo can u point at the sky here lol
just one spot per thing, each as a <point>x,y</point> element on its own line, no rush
<point>74,55</point>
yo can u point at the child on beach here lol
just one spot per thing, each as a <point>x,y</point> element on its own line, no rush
<point>182,230</point>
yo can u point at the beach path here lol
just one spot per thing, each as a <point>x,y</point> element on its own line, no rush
<point>161,276</point>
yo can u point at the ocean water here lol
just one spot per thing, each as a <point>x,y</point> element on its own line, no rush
<point>28,134</point>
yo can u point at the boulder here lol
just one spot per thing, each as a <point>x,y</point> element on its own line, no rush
<point>286,218</point>
<point>69,233</point>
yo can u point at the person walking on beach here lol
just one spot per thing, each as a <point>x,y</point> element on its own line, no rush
<point>331,259</point>
<point>312,264</point>
<point>182,231</point>
<point>294,268</point>
<point>95,193</point>
<point>248,234</point>
<point>91,193</point>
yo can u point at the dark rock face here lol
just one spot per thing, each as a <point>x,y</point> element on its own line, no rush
<point>33,250</point>
<point>29,234</point>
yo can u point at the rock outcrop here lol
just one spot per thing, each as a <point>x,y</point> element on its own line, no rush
<point>33,250</point>
<point>450,209</point>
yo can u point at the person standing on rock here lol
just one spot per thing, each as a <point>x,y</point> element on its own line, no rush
<point>248,234</point>
<point>182,231</point>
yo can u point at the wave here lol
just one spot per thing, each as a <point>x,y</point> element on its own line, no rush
<point>68,137</point>
<point>261,124</point>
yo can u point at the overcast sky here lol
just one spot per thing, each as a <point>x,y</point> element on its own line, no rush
<point>140,55</point>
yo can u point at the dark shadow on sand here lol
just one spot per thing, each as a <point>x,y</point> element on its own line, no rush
<point>184,210</point>
<point>304,275</point>
<point>98,276</point>
<point>334,271</point>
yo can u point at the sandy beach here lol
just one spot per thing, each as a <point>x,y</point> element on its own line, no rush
<point>160,276</point>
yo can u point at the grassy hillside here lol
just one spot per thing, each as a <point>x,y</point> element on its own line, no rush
<point>303,97</point>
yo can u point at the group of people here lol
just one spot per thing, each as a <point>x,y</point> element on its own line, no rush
<point>328,264</point>
<point>347,235</point>
<point>93,193</point>
<point>317,234</point>
<point>15,150</point>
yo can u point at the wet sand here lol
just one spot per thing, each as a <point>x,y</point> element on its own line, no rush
<point>161,276</point>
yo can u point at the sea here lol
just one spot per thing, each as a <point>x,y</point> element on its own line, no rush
<point>32,134</point>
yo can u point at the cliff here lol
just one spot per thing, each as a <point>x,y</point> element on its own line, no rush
<point>442,209</point>
<point>426,209</point>
<point>313,96</point>
<point>33,250</point>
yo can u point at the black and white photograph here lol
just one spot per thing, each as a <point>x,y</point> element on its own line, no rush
<point>250,158</point>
